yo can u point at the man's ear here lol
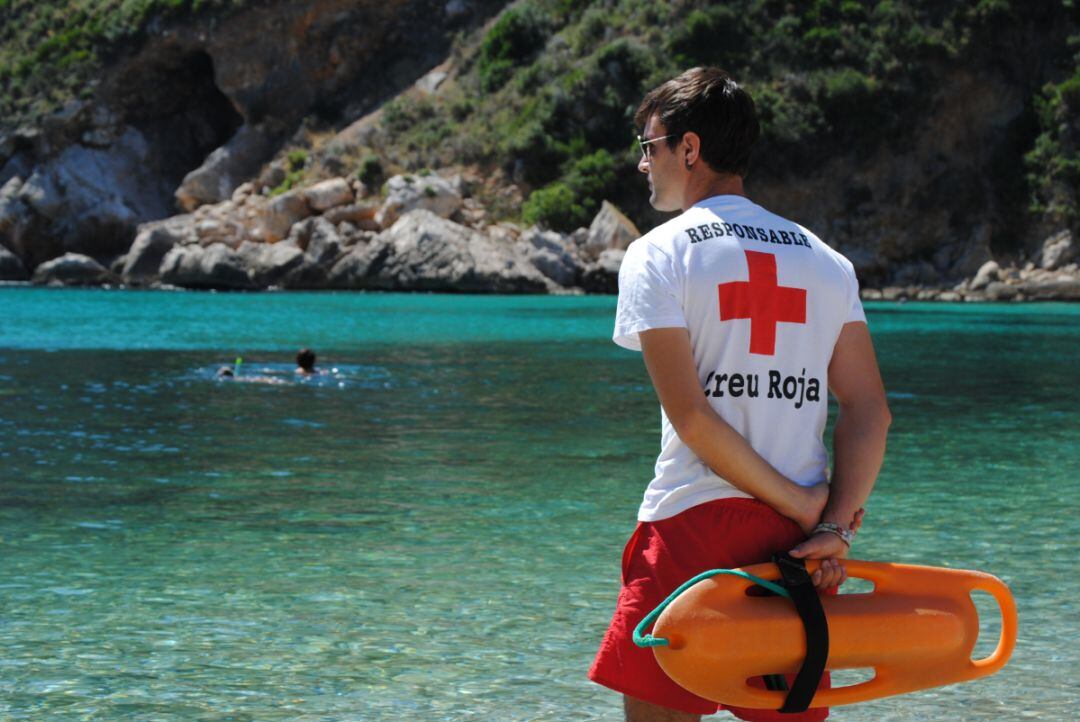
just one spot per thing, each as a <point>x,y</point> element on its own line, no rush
<point>691,143</point>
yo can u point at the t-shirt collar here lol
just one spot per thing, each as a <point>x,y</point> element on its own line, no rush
<point>728,199</point>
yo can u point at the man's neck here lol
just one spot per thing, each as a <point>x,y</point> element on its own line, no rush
<point>708,184</point>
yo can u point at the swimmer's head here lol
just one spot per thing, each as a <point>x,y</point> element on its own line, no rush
<point>225,372</point>
<point>305,360</point>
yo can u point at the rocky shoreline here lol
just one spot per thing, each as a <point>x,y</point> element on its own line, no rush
<point>426,235</point>
<point>1053,276</point>
<point>429,234</point>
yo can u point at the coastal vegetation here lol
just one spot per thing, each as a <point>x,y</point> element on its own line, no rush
<point>52,51</point>
<point>535,107</point>
<point>549,89</point>
<point>1054,162</point>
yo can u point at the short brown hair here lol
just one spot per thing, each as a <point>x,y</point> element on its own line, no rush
<point>709,102</point>
<point>305,359</point>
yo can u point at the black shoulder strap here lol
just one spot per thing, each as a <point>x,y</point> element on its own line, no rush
<point>808,605</point>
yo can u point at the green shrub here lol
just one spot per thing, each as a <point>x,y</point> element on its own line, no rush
<point>371,171</point>
<point>590,30</point>
<point>516,36</point>
<point>824,43</point>
<point>786,120</point>
<point>554,206</point>
<point>591,178</point>
<point>297,159</point>
<point>713,36</point>
<point>1053,164</point>
<point>402,113</point>
<point>573,200</point>
<point>848,99</point>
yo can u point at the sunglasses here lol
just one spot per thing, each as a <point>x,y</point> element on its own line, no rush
<point>644,143</point>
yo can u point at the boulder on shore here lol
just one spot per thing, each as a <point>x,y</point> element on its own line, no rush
<point>987,273</point>
<point>1060,289</point>
<point>361,215</point>
<point>553,254</point>
<point>424,252</point>
<point>1001,291</point>
<point>153,241</point>
<point>11,268</point>
<point>328,194</point>
<point>84,199</point>
<point>216,266</point>
<point>603,275</point>
<point>72,269</point>
<point>406,193</point>
<point>268,263</point>
<point>278,216</point>
<point>1057,250</point>
<point>226,168</point>
<point>610,229</point>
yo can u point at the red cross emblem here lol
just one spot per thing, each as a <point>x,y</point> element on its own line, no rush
<point>763,302</point>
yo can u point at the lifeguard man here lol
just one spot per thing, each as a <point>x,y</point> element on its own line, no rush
<point>744,319</point>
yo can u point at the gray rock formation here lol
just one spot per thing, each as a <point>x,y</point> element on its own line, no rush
<point>227,167</point>
<point>72,269</point>
<point>361,215</point>
<point>988,272</point>
<point>328,194</point>
<point>1057,250</point>
<point>11,268</point>
<point>603,275</point>
<point>424,252</point>
<point>553,254</point>
<point>1001,291</point>
<point>355,270</point>
<point>405,193</point>
<point>320,240</point>
<point>192,107</point>
<point>216,266</point>
<point>84,199</point>
<point>279,215</point>
<point>1064,289</point>
<point>609,229</point>
<point>153,241</point>
<point>275,264</point>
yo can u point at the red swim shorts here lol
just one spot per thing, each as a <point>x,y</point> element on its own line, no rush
<point>660,556</point>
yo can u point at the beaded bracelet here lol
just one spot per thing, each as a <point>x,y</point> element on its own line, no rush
<point>846,535</point>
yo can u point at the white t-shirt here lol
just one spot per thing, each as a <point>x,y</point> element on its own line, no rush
<point>764,300</point>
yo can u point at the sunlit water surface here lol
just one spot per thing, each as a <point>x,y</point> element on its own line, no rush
<point>431,529</point>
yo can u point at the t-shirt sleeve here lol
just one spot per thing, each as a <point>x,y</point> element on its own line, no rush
<point>855,308</point>
<point>649,295</point>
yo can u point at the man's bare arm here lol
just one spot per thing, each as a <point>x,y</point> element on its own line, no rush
<point>858,437</point>
<point>669,359</point>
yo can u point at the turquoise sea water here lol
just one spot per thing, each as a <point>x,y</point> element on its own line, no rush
<point>432,530</point>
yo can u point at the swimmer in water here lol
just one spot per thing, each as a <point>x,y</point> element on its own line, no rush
<point>305,362</point>
<point>229,373</point>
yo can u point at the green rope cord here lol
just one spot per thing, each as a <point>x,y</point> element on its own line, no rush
<point>647,640</point>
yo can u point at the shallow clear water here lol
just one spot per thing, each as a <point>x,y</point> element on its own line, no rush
<point>432,531</point>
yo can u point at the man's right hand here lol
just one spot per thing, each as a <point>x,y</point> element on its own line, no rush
<point>829,548</point>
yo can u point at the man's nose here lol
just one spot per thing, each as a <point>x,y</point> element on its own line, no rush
<point>643,164</point>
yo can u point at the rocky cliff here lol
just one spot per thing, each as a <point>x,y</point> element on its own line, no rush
<point>933,143</point>
<point>197,104</point>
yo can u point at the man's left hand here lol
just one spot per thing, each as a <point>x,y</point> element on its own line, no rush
<point>829,548</point>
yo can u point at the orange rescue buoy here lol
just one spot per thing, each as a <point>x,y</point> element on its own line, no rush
<point>916,629</point>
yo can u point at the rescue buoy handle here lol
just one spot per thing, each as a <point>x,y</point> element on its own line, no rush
<point>1009,625</point>
<point>647,640</point>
